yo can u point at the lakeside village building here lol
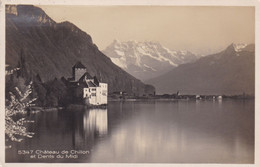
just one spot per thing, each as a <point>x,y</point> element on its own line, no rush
<point>87,88</point>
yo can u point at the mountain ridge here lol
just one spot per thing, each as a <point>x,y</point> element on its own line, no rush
<point>51,49</point>
<point>230,71</point>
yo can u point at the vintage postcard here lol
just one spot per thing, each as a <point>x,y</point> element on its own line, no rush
<point>129,83</point>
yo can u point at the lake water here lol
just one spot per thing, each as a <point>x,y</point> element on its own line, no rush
<point>143,132</point>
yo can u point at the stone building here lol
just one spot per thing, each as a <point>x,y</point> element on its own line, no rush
<point>86,87</point>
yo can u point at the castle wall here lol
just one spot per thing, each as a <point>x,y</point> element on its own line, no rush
<point>96,95</point>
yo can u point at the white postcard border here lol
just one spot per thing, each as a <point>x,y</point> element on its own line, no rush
<point>255,3</point>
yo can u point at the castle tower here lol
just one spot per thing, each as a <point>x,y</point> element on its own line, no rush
<point>78,70</point>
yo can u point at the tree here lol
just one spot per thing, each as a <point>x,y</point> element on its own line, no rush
<point>16,105</point>
<point>22,72</point>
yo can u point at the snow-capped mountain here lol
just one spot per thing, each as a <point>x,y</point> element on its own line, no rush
<point>146,60</point>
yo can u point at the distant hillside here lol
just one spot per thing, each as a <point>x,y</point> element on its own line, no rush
<point>231,71</point>
<point>50,49</point>
<point>146,60</point>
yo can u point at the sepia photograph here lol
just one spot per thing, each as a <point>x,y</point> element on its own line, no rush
<point>129,84</point>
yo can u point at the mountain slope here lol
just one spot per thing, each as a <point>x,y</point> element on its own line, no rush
<point>228,72</point>
<point>50,49</point>
<point>146,60</point>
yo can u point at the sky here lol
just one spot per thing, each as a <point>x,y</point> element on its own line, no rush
<point>201,30</point>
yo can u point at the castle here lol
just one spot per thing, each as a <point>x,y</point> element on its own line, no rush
<point>86,87</point>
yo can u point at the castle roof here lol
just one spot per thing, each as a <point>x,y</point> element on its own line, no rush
<point>88,84</point>
<point>79,65</point>
<point>91,84</point>
<point>87,75</point>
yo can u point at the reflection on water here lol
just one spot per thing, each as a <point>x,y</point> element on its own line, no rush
<point>90,125</point>
<point>155,131</point>
<point>95,120</point>
<point>183,132</point>
<point>87,126</point>
<point>62,130</point>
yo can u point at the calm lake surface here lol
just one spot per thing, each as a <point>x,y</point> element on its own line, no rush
<point>143,132</point>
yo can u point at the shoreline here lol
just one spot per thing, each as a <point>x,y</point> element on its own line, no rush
<point>176,99</point>
<point>83,106</point>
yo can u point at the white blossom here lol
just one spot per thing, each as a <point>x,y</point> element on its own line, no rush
<point>16,129</point>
